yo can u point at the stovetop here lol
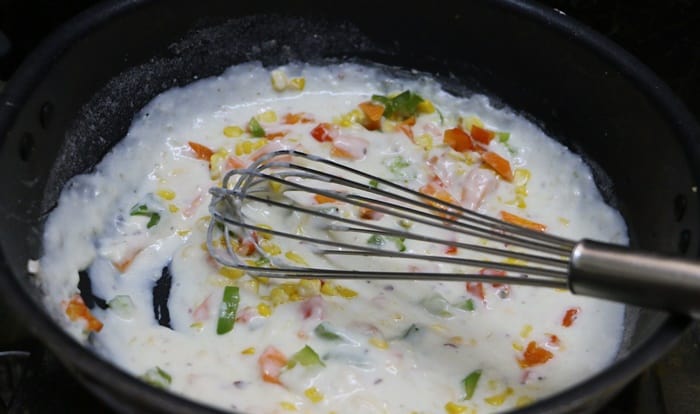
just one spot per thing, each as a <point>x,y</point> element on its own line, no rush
<point>664,34</point>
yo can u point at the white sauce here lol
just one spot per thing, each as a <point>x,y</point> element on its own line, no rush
<point>372,370</point>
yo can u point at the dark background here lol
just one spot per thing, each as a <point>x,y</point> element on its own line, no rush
<point>662,34</point>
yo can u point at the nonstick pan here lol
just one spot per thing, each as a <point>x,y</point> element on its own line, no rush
<point>75,95</point>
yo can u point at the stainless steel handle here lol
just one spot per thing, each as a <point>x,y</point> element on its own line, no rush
<point>646,279</point>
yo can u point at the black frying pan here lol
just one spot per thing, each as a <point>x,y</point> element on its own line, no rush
<point>74,97</point>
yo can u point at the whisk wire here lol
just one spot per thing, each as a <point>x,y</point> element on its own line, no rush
<point>244,187</point>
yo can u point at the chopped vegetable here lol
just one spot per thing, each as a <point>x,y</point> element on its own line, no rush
<point>378,343</point>
<point>499,164</point>
<point>373,114</point>
<point>323,132</point>
<point>458,139</point>
<point>157,377</point>
<point>376,240</point>
<point>470,382</point>
<point>534,355</point>
<point>454,408</point>
<point>397,164</point>
<point>437,305</point>
<point>123,306</point>
<point>291,119</point>
<point>373,183</point>
<point>271,362</point>
<point>306,357</point>
<point>522,222</point>
<point>297,83</point>
<point>499,399</point>
<point>476,289</point>
<point>313,394</point>
<point>202,152</point>
<point>255,129</point>
<point>482,135</point>
<point>468,305</point>
<point>369,214</point>
<point>142,210</point>
<point>400,243</point>
<point>77,309</point>
<point>233,131</point>
<point>570,316</point>
<point>405,126</point>
<point>227,310</point>
<point>401,106</point>
<point>323,199</point>
<point>326,331</point>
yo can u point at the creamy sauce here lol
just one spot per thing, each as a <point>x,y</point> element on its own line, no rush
<point>377,347</point>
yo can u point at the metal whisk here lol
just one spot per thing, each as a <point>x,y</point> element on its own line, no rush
<point>341,217</point>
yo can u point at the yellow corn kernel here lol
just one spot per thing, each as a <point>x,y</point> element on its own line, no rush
<point>173,208</point>
<point>471,120</point>
<point>288,406</point>
<point>258,143</point>
<point>499,399</point>
<point>438,327</point>
<point>270,248</point>
<point>518,347</point>
<point>295,258</point>
<point>313,394</point>
<point>183,233</point>
<point>521,176</point>
<point>278,296</point>
<point>309,287</point>
<point>453,408</point>
<point>279,79</point>
<point>197,326</point>
<point>203,221</point>
<point>526,331</point>
<point>297,83</point>
<point>264,310</point>
<point>347,293</point>
<point>457,340</point>
<point>346,120</point>
<point>233,131</point>
<point>379,343</point>
<point>425,141</point>
<point>267,116</point>
<point>426,107</point>
<point>521,203</point>
<point>216,163</point>
<point>248,351</point>
<point>165,194</point>
<point>523,400</point>
<point>264,235</point>
<point>329,289</point>
<point>231,273</point>
<point>289,288</point>
<point>513,261</point>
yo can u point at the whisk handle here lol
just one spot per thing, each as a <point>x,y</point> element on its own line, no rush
<point>640,278</point>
